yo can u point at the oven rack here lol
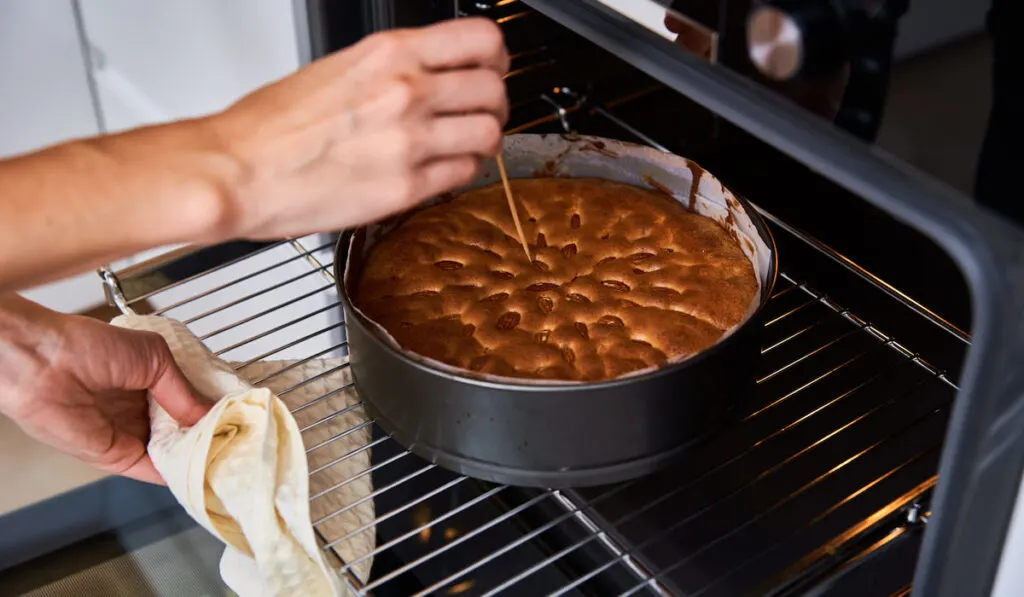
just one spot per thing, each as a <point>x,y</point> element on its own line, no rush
<point>443,533</point>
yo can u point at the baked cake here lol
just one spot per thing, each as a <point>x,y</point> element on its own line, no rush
<point>623,279</point>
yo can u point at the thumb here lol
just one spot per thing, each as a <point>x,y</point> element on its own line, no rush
<point>172,390</point>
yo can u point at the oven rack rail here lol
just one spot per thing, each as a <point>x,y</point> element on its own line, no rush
<point>270,274</point>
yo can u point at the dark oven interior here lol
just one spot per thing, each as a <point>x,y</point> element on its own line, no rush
<point>822,483</point>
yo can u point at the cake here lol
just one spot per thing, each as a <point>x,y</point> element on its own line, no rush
<point>622,279</point>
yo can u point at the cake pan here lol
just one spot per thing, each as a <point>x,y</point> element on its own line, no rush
<point>564,434</point>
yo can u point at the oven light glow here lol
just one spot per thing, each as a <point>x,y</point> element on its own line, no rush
<point>421,518</point>
<point>462,587</point>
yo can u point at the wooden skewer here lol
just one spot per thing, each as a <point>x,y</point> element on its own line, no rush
<point>512,207</point>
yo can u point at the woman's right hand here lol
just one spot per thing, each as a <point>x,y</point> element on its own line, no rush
<point>365,132</point>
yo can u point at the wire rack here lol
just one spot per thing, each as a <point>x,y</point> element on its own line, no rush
<point>844,426</point>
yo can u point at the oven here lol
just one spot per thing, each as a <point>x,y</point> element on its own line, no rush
<point>881,452</point>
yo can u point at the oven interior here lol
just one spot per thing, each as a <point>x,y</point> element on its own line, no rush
<point>823,483</point>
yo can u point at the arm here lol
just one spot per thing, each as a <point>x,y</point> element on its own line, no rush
<point>88,202</point>
<point>351,138</point>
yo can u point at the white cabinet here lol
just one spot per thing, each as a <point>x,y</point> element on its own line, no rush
<point>44,91</point>
<point>155,60</point>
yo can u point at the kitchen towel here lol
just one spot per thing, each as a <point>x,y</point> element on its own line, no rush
<point>244,471</point>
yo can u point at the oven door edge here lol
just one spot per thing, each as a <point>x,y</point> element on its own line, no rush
<point>323,26</point>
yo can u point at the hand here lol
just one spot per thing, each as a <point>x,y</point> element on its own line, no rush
<point>80,386</point>
<point>366,132</point>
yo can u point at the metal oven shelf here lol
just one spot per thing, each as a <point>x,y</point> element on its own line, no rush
<point>832,459</point>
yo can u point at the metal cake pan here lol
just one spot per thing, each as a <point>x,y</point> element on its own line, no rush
<point>531,433</point>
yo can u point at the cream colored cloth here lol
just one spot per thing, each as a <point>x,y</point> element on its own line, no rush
<point>242,471</point>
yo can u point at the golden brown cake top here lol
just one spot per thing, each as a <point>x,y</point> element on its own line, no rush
<point>623,279</point>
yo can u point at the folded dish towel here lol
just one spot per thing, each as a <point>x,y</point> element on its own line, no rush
<point>243,471</point>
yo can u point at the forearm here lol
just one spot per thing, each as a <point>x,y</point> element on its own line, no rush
<point>85,203</point>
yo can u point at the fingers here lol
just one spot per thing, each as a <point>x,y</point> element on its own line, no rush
<point>453,77</point>
<point>397,151</point>
<point>413,164</point>
<point>461,43</point>
<point>428,95</point>
<point>177,396</point>
<point>170,389</point>
<point>476,134</point>
<point>445,174</point>
<point>465,91</point>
